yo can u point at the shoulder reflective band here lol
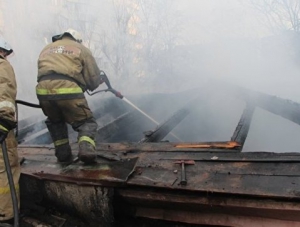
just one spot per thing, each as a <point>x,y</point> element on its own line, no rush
<point>74,90</point>
<point>7,104</point>
<point>87,139</point>
<point>5,190</point>
<point>3,128</point>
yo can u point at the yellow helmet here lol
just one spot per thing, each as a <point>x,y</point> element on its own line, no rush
<point>73,33</point>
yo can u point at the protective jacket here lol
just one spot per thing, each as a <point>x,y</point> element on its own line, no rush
<point>73,67</point>
<point>8,90</point>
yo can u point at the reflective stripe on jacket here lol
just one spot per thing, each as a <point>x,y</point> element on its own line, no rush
<point>58,90</point>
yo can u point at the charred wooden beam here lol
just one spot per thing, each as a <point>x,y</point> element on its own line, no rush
<point>165,128</point>
<point>107,130</point>
<point>41,137</point>
<point>127,127</point>
<point>28,127</point>
<point>282,107</point>
<point>242,129</point>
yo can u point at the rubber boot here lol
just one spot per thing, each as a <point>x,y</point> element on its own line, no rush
<point>59,134</point>
<point>63,153</point>
<point>87,152</point>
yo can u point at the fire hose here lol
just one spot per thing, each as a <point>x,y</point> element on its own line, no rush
<point>6,158</point>
<point>11,185</point>
<point>104,78</point>
<point>5,155</point>
<point>4,149</point>
<point>110,89</point>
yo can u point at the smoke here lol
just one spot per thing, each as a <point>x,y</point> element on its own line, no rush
<point>171,46</point>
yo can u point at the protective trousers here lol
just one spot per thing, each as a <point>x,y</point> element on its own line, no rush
<point>75,112</point>
<point>6,206</point>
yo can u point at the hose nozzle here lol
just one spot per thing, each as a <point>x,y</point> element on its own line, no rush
<point>106,81</point>
<point>116,93</point>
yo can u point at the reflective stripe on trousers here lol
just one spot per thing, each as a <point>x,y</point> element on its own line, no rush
<point>87,139</point>
<point>60,142</point>
<point>6,190</point>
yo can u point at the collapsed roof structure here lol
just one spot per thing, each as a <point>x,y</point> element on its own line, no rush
<point>154,172</point>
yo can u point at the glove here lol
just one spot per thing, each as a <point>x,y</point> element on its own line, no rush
<point>3,135</point>
<point>5,127</point>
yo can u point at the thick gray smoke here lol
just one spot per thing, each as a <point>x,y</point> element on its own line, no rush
<point>173,46</point>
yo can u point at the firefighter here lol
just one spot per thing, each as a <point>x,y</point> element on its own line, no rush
<point>66,69</point>
<point>8,92</point>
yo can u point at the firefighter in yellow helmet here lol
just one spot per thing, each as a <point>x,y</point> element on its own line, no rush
<point>66,69</point>
<point>8,92</point>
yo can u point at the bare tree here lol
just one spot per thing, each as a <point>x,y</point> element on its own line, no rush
<point>160,28</point>
<point>283,19</point>
<point>136,40</point>
<point>142,30</point>
<point>280,14</point>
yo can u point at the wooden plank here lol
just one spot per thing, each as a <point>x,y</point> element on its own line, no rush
<point>252,185</point>
<point>215,219</point>
<point>273,179</point>
<point>241,211</point>
<point>230,157</point>
<point>223,146</point>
